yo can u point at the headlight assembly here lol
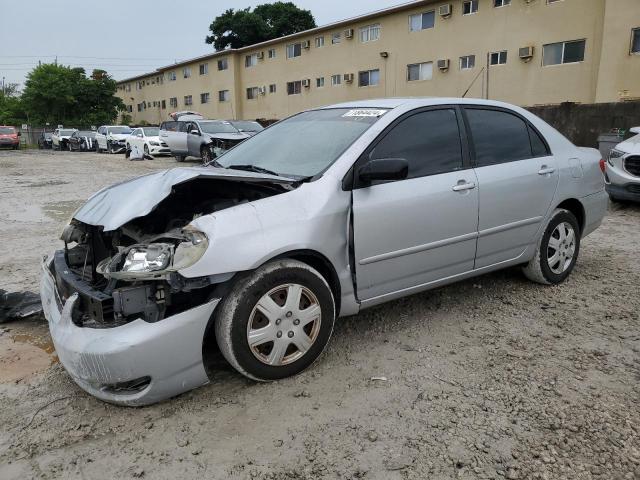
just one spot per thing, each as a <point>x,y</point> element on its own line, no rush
<point>154,143</point>
<point>155,260</point>
<point>613,155</point>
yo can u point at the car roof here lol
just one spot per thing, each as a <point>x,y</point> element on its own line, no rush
<point>416,102</point>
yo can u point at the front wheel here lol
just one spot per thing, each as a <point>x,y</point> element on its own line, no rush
<point>206,154</point>
<point>557,250</point>
<point>275,322</point>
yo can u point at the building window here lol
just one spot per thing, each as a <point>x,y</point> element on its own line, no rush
<point>173,102</point>
<point>563,52</point>
<point>128,87</point>
<point>294,50</point>
<point>251,60</point>
<point>164,104</point>
<point>336,80</point>
<point>130,108</point>
<point>186,72</point>
<point>223,64</point>
<point>470,7</point>
<point>272,53</point>
<point>501,3</point>
<point>139,107</point>
<point>498,58</point>
<point>635,41</point>
<point>467,62</point>
<point>370,33</point>
<point>272,88</point>
<point>320,82</point>
<point>204,68</point>
<point>369,78</point>
<point>223,96</point>
<point>320,41</point>
<point>335,38</point>
<point>422,21</point>
<point>172,76</point>
<point>252,93</point>
<point>420,71</point>
<point>204,98</point>
<point>188,100</point>
<point>294,88</point>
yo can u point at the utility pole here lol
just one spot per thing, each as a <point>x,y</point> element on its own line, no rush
<point>488,65</point>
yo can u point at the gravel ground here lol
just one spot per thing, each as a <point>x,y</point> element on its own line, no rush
<point>491,378</point>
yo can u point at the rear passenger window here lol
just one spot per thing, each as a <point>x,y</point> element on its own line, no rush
<point>538,147</point>
<point>429,141</point>
<point>498,137</point>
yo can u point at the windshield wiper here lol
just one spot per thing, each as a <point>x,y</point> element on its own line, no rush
<point>253,168</point>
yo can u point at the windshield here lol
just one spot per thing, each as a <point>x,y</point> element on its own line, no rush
<point>7,130</point>
<point>246,126</point>
<point>119,130</point>
<point>303,145</point>
<point>217,127</point>
<point>151,131</point>
<point>66,133</point>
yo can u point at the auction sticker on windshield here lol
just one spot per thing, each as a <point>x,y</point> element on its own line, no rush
<point>365,112</point>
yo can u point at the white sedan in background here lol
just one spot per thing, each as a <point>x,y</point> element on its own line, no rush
<point>147,140</point>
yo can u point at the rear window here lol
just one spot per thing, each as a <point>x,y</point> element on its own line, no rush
<point>7,130</point>
<point>217,127</point>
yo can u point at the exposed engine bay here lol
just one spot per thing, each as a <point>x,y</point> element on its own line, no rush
<point>132,272</point>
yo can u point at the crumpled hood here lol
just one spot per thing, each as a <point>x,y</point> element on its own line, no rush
<point>228,136</point>
<point>631,145</point>
<point>114,206</point>
<point>118,136</point>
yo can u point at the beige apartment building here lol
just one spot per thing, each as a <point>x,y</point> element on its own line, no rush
<point>526,52</point>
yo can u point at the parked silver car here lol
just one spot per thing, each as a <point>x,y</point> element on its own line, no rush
<point>319,216</point>
<point>622,170</point>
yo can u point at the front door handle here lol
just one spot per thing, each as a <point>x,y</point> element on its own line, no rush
<point>463,185</point>
<point>544,170</point>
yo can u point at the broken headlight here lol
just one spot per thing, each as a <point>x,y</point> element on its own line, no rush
<point>155,260</point>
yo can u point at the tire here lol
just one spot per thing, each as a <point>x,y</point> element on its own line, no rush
<point>146,149</point>
<point>238,313</point>
<point>206,155</point>
<point>180,158</point>
<point>547,269</point>
<point>109,149</point>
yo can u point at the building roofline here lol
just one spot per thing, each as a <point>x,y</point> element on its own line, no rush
<point>330,26</point>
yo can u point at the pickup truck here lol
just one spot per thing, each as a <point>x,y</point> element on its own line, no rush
<point>205,139</point>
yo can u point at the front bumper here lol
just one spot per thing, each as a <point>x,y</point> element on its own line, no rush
<point>620,184</point>
<point>135,364</point>
<point>159,150</point>
<point>628,192</point>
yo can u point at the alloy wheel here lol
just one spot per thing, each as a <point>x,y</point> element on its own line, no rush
<point>561,248</point>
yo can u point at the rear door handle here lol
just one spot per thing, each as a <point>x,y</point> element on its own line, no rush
<point>544,170</point>
<point>463,185</point>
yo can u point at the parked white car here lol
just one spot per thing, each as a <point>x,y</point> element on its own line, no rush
<point>622,170</point>
<point>61,137</point>
<point>147,140</point>
<point>112,138</point>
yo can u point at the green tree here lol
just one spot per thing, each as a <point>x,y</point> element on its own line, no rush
<point>239,28</point>
<point>62,95</point>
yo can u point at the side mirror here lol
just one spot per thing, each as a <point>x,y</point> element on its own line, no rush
<point>194,132</point>
<point>635,130</point>
<point>384,169</point>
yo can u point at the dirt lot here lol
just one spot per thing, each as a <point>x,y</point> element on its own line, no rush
<point>491,378</point>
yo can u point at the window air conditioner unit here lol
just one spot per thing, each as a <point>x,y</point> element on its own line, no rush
<point>306,44</point>
<point>348,77</point>
<point>306,83</point>
<point>445,10</point>
<point>443,64</point>
<point>262,90</point>
<point>526,53</point>
<point>348,33</point>
<point>260,55</point>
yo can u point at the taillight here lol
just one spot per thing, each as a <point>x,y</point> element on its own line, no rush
<point>603,165</point>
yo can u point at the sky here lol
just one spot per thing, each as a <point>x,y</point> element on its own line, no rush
<point>127,38</point>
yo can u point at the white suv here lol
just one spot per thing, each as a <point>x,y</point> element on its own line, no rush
<point>622,173</point>
<point>60,137</point>
<point>112,138</point>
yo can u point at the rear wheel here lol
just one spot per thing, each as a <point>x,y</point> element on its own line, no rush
<point>557,251</point>
<point>275,322</point>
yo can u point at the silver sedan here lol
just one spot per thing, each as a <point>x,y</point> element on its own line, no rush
<point>319,216</point>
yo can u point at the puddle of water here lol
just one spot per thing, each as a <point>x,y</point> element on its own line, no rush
<point>23,355</point>
<point>61,211</point>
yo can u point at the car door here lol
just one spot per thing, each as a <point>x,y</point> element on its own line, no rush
<point>413,232</point>
<point>101,138</point>
<point>517,179</point>
<point>194,140</point>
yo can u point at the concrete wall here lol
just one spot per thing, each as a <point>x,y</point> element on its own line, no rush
<point>582,124</point>
<point>607,69</point>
